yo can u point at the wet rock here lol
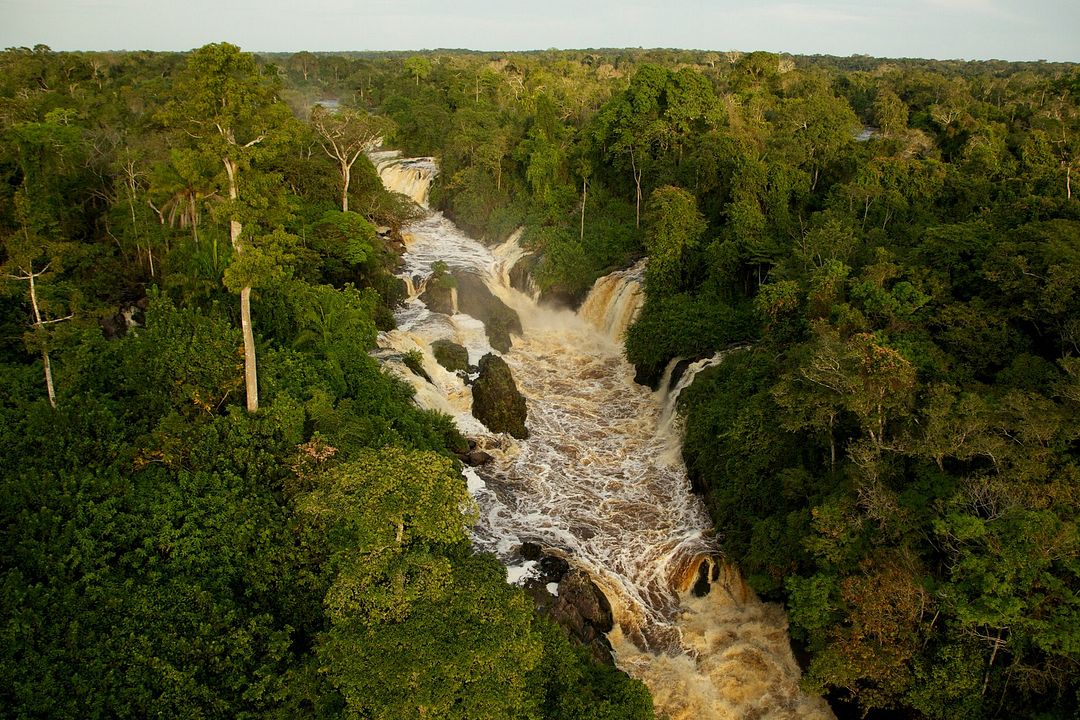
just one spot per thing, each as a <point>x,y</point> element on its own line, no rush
<point>550,568</point>
<point>521,274</point>
<point>585,613</point>
<point>438,297</point>
<point>649,375</point>
<point>583,603</point>
<point>704,583</point>
<point>496,400</point>
<point>698,484</point>
<point>531,551</point>
<point>562,298</point>
<point>553,569</point>
<point>474,298</point>
<point>450,355</point>
<point>577,604</point>
<point>677,373</point>
<point>476,458</point>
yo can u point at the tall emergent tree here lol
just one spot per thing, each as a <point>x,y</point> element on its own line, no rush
<point>344,135</point>
<point>47,155</point>
<point>232,113</point>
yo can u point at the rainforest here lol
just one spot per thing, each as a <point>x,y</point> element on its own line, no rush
<point>606,384</point>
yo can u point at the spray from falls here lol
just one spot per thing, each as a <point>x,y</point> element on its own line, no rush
<point>598,484</point>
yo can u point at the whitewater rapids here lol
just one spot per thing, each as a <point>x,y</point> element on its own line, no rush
<point>601,483</point>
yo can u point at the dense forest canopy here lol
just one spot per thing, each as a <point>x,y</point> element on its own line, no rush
<point>893,452</point>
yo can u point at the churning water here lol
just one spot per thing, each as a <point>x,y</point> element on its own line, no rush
<point>600,482</point>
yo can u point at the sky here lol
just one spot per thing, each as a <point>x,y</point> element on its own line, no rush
<point>943,29</point>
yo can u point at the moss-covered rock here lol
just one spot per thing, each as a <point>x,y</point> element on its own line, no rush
<point>496,400</point>
<point>475,299</point>
<point>438,297</point>
<point>450,355</point>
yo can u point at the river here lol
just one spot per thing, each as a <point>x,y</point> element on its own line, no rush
<point>600,480</point>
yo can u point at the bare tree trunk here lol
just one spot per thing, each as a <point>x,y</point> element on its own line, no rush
<point>44,351</point>
<point>251,382</point>
<point>584,184</point>
<point>637,184</point>
<point>346,176</point>
<point>832,445</point>
<point>38,323</point>
<point>48,377</point>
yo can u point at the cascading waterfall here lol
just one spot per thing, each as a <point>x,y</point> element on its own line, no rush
<point>598,484</point>
<point>409,176</point>
<point>614,301</point>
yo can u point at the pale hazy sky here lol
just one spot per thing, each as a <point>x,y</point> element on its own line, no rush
<point>969,29</point>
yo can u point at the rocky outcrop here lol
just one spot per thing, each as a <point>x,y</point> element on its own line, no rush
<point>577,605</point>
<point>496,400</point>
<point>521,274</point>
<point>474,456</point>
<point>474,298</point>
<point>450,355</point>
<point>439,297</point>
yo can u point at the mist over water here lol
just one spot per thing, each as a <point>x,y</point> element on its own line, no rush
<point>601,483</point>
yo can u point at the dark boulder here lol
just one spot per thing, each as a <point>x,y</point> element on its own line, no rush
<point>583,611</point>
<point>551,568</point>
<point>521,274</point>
<point>496,400</point>
<point>577,605</point>
<point>450,355</point>
<point>677,373</point>
<point>438,297</point>
<point>649,375</point>
<point>476,458</point>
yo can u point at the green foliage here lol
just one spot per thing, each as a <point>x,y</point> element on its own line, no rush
<point>896,458</point>
<point>673,229</point>
<point>575,687</point>
<point>683,326</point>
<point>262,263</point>
<point>414,631</point>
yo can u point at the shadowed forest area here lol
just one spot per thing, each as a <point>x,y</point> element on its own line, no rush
<point>216,504</point>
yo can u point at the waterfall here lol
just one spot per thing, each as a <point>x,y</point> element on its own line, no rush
<point>669,426</point>
<point>598,484</point>
<point>614,301</point>
<point>409,176</point>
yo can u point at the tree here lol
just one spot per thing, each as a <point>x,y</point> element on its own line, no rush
<point>35,249</point>
<point>345,135</point>
<point>674,227</point>
<point>233,114</point>
<point>890,113</point>
<point>418,628</point>
<point>418,66</point>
